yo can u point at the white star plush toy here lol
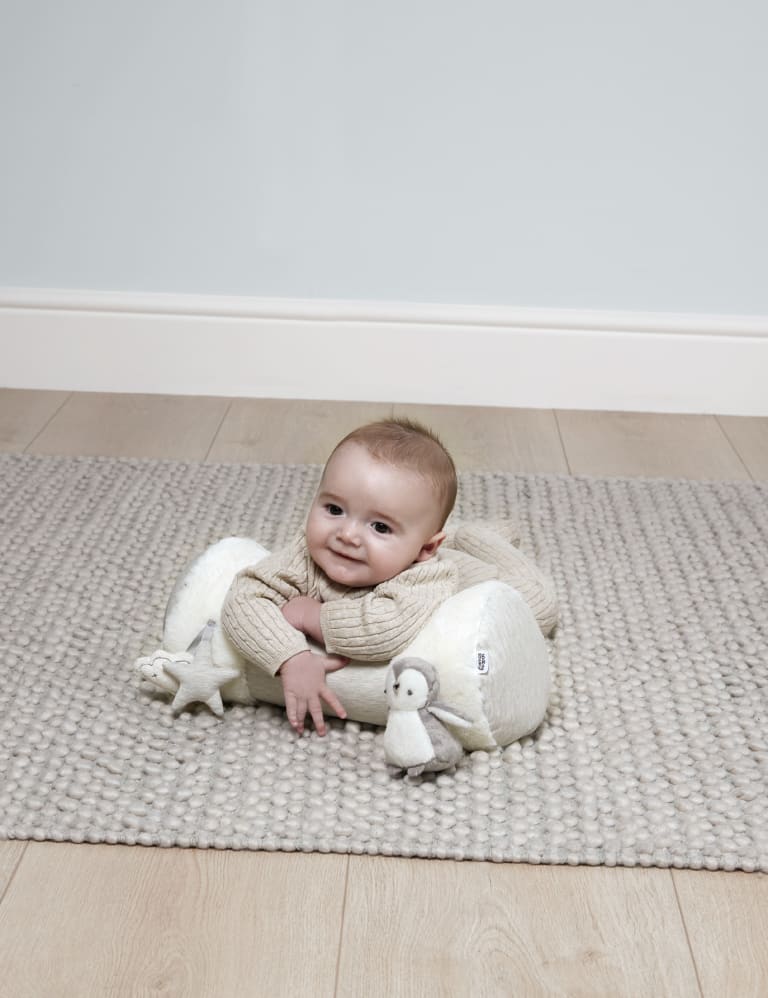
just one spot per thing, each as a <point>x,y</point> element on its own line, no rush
<point>191,675</point>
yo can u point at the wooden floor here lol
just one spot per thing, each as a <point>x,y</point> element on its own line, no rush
<point>83,920</point>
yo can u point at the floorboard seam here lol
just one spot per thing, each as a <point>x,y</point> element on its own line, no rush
<point>341,931</point>
<point>687,934</point>
<point>735,449</point>
<point>47,423</point>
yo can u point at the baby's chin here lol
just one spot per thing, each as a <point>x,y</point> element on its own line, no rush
<point>350,577</point>
<point>356,576</point>
<point>343,574</point>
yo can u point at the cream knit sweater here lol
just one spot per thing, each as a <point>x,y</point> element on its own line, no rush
<point>375,623</point>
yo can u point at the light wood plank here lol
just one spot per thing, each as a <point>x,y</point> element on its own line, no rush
<point>522,440</point>
<point>479,929</point>
<point>118,920</point>
<point>10,857</point>
<point>279,431</point>
<point>151,426</point>
<point>652,444</point>
<point>726,915</point>
<point>23,414</point>
<point>750,438</point>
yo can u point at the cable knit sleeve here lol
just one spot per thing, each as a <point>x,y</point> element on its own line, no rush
<point>380,623</point>
<point>482,542</point>
<point>251,615</point>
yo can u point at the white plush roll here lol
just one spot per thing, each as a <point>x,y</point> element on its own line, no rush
<point>485,643</point>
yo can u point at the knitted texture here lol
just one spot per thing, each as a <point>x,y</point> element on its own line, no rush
<point>654,750</point>
<point>372,624</point>
<point>514,568</point>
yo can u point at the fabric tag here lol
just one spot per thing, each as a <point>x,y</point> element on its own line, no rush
<point>483,662</point>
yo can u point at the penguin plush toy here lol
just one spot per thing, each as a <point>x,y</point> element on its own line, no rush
<point>416,739</point>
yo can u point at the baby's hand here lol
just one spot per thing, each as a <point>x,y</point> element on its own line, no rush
<point>303,613</point>
<point>304,686</point>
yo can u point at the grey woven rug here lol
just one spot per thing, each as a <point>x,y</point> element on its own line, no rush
<point>654,752</point>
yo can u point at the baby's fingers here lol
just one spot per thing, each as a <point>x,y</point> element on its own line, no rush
<point>333,701</point>
<point>332,663</point>
<point>316,711</point>
<point>296,710</point>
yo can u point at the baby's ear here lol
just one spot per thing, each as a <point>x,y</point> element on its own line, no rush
<point>431,546</point>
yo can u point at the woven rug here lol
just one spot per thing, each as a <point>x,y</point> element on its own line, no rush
<point>654,751</point>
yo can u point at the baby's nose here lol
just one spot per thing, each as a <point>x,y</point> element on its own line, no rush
<point>350,533</point>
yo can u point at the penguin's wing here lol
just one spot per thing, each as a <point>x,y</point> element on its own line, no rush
<point>448,715</point>
<point>446,748</point>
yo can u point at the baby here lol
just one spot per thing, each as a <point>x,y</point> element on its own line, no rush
<point>372,564</point>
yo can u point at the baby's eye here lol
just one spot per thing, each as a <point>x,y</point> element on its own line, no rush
<point>381,528</point>
<point>333,509</point>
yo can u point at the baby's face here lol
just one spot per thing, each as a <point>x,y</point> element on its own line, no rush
<point>370,520</point>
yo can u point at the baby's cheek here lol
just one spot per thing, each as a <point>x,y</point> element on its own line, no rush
<point>313,536</point>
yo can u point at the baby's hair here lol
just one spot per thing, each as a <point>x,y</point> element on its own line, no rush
<point>408,444</point>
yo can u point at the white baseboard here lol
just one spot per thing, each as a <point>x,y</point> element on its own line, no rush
<point>459,355</point>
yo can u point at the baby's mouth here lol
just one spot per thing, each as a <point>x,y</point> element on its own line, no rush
<point>345,557</point>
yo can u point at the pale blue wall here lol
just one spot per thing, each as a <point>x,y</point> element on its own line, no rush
<point>596,154</point>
